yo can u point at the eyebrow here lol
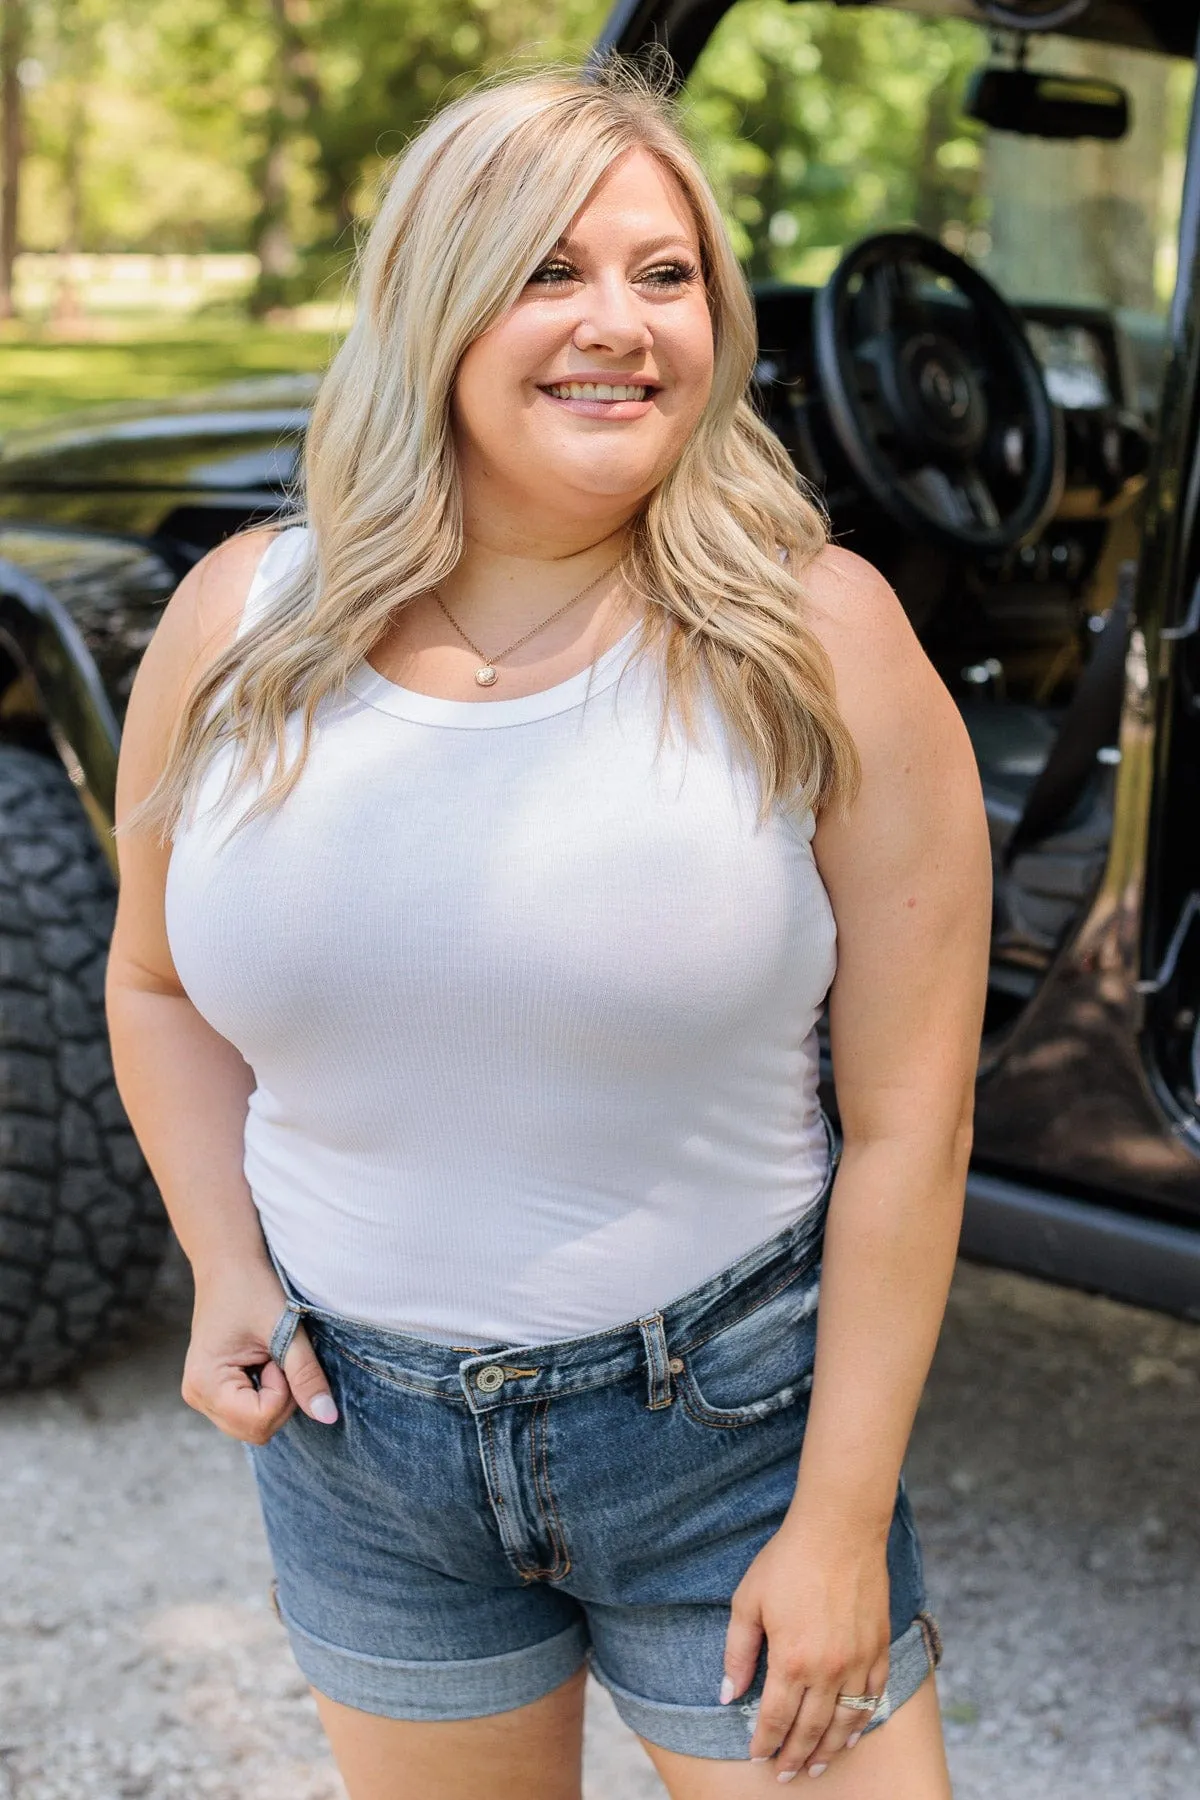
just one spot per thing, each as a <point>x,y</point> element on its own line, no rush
<point>644,247</point>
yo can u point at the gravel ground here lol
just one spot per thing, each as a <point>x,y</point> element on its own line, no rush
<point>1054,1472</point>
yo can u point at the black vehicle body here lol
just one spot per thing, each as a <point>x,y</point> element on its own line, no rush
<point>1087,1160</point>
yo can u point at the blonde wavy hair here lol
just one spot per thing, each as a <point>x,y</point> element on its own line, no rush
<point>475,203</point>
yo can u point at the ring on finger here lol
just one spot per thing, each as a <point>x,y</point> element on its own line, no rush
<point>861,1702</point>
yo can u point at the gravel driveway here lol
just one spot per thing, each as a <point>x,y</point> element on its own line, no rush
<point>1055,1473</point>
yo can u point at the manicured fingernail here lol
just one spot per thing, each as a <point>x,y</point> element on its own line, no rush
<point>789,1775</point>
<point>818,1768</point>
<point>853,1739</point>
<point>727,1690</point>
<point>324,1409</point>
<point>760,1759</point>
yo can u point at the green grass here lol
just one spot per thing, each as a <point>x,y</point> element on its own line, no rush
<point>41,376</point>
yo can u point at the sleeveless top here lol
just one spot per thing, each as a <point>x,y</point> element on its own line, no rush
<point>530,1008</point>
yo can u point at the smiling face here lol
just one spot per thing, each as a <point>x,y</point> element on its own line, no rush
<point>582,396</point>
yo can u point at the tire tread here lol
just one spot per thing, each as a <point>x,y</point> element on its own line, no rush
<point>82,1227</point>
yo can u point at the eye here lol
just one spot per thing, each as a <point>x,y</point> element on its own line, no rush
<point>553,273</point>
<point>670,274</point>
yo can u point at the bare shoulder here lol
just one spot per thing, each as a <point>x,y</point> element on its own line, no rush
<point>886,686</point>
<point>197,624</point>
<point>859,619</point>
<point>209,601</point>
<point>919,806</point>
<point>201,618</point>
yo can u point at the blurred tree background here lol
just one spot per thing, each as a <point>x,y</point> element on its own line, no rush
<point>201,130</point>
<point>821,123</point>
<point>218,125</point>
<point>235,145</point>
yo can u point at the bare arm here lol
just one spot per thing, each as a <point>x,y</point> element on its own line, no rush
<point>184,1087</point>
<point>909,875</point>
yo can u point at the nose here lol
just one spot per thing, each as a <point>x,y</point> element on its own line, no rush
<point>612,319</point>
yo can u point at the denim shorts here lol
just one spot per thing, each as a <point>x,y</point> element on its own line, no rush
<point>484,1518</point>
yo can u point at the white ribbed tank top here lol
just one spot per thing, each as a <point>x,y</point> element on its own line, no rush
<point>530,1011</point>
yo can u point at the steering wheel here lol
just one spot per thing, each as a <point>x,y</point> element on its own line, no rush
<point>935,395</point>
<point>1033,15</point>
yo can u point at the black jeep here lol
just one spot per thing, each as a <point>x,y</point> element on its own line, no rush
<point>994,386</point>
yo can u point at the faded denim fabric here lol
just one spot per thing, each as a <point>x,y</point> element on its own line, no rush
<point>484,1517</point>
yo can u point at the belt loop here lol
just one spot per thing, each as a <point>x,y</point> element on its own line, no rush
<point>285,1330</point>
<point>294,1310</point>
<point>658,1371</point>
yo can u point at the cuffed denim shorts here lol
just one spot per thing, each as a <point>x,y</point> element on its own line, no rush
<point>484,1518</point>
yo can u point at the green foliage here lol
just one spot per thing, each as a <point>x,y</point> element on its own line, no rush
<point>150,120</point>
<point>386,68</point>
<point>154,101</point>
<point>818,125</point>
<point>169,105</point>
<point>196,125</point>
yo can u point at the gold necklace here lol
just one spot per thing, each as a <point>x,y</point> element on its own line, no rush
<point>486,675</point>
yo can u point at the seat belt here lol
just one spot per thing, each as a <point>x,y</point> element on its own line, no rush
<point>1090,724</point>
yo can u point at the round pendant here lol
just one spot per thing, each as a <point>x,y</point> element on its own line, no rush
<point>485,676</point>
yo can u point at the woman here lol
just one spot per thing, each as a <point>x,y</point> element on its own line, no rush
<point>482,843</point>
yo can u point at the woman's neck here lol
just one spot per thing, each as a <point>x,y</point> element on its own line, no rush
<point>505,583</point>
<point>505,588</point>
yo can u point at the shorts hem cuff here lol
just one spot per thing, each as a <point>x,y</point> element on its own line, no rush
<point>723,1733</point>
<point>437,1691</point>
<point>909,1662</point>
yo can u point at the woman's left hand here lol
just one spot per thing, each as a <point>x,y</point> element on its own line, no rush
<point>820,1597</point>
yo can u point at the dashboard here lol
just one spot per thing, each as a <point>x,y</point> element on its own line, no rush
<point>1094,375</point>
<point>1105,384</point>
<point>1075,361</point>
<point>1103,389</point>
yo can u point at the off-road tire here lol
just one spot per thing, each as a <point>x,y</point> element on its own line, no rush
<point>82,1228</point>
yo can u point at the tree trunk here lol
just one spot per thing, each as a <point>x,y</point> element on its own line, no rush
<point>12,41</point>
<point>68,307</point>
<point>296,97</point>
<point>77,37</point>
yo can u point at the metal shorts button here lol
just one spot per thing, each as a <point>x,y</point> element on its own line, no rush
<point>489,1379</point>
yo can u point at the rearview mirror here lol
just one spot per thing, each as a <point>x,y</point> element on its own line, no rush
<point>1047,105</point>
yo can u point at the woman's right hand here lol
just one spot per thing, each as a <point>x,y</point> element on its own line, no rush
<point>234,1315</point>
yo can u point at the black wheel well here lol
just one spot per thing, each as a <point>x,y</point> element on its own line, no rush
<point>23,718</point>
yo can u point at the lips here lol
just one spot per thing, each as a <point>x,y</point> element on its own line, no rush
<point>601,397</point>
<point>598,390</point>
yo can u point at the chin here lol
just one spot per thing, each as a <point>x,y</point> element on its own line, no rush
<point>607,495</point>
<point>609,481</point>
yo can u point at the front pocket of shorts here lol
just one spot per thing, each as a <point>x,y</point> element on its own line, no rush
<point>362,1351</point>
<point>759,1366</point>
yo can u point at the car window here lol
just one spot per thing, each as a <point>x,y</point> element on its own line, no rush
<point>821,123</point>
